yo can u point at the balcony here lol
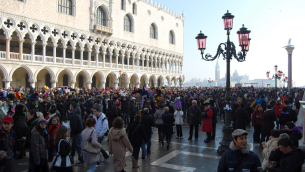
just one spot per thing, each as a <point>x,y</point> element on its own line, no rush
<point>103,29</point>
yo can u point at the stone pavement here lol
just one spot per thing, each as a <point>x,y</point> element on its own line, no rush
<point>183,155</point>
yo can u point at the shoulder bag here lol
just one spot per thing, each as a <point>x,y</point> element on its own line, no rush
<point>58,159</point>
<point>88,146</point>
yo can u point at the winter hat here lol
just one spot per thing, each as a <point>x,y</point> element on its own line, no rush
<point>19,108</point>
<point>7,119</point>
<point>41,121</point>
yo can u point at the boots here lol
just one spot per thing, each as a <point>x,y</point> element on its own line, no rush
<point>134,163</point>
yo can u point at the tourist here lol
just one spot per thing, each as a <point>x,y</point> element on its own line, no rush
<point>55,124</point>
<point>159,121</point>
<point>63,149</point>
<point>267,124</point>
<point>270,146</point>
<point>236,158</point>
<point>168,121</point>
<point>118,142</point>
<point>242,117</point>
<point>20,128</point>
<point>179,122</point>
<point>295,133</point>
<point>148,122</point>
<point>91,159</point>
<point>284,118</point>
<point>76,130</point>
<point>277,109</point>
<point>101,128</point>
<point>39,146</point>
<point>215,110</point>
<point>7,143</point>
<point>207,126</point>
<point>194,119</point>
<point>257,123</point>
<point>136,135</point>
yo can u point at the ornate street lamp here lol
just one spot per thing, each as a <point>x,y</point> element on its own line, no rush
<point>210,81</point>
<point>276,76</point>
<point>227,50</point>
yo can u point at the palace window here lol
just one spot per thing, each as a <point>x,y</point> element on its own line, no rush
<point>153,31</point>
<point>134,8</point>
<point>100,17</point>
<point>66,7</point>
<point>171,37</point>
<point>127,23</point>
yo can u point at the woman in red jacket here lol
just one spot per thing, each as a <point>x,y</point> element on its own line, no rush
<point>207,125</point>
<point>257,122</point>
<point>278,110</point>
<point>52,130</point>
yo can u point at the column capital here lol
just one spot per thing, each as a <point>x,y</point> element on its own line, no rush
<point>55,45</point>
<point>8,38</point>
<point>21,40</point>
<point>73,48</point>
<point>33,42</point>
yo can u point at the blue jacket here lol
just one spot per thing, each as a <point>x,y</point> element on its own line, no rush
<point>259,102</point>
<point>233,155</point>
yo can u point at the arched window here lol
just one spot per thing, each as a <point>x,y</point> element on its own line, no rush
<point>65,6</point>
<point>65,80</point>
<point>171,37</point>
<point>127,24</point>
<point>48,80</point>
<point>80,81</point>
<point>123,4</point>
<point>93,81</point>
<point>153,31</point>
<point>100,16</point>
<point>134,8</point>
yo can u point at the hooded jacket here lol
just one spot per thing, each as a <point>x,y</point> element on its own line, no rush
<point>118,142</point>
<point>76,124</point>
<point>233,155</point>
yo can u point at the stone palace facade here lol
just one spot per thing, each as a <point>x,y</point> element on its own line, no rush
<point>90,43</point>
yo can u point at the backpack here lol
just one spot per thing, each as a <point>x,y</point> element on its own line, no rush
<point>106,134</point>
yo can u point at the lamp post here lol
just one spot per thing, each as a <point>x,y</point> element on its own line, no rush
<point>277,76</point>
<point>210,81</point>
<point>227,50</point>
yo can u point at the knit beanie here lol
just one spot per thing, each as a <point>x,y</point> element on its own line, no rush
<point>41,121</point>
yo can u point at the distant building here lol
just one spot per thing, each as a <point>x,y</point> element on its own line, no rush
<point>217,72</point>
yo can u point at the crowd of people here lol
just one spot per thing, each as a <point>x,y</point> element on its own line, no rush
<point>53,124</point>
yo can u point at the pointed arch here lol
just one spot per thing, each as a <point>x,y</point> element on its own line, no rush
<point>88,78</point>
<point>100,73</point>
<point>4,72</point>
<point>153,31</point>
<point>53,76</point>
<point>29,71</point>
<point>72,79</point>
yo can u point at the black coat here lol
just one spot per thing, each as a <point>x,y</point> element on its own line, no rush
<point>124,106</point>
<point>31,124</point>
<point>131,109</point>
<point>76,123</point>
<point>284,117</point>
<point>168,121</point>
<point>268,122</point>
<point>295,136</point>
<point>215,111</point>
<point>290,162</point>
<point>242,118</point>
<point>148,122</point>
<point>136,134</point>
<point>196,117</point>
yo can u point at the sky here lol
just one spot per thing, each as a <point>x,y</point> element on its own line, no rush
<point>272,23</point>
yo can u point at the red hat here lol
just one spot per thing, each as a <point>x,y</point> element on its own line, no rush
<point>8,119</point>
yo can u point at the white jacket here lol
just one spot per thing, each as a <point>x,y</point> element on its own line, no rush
<point>178,117</point>
<point>101,126</point>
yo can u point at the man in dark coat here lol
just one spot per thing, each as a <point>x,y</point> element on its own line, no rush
<point>214,119</point>
<point>292,160</point>
<point>131,109</point>
<point>124,106</point>
<point>267,124</point>
<point>235,106</point>
<point>242,118</point>
<point>148,122</point>
<point>76,130</point>
<point>168,121</point>
<point>194,113</point>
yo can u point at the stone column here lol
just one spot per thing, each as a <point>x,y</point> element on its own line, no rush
<point>21,49</point>
<point>137,84</point>
<point>289,49</point>
<point>104,53</point>
<point>44,46</point>
<point>7,84</point>
<point>133,56</point>
<point>126,84</point>
<point>122,60</point>
<point>147,62</point>
<point>33,51</point>
<point>116,60</point>
<point>160,66</point>
<point>73,55</point>
<point>64,54</point>
<point>115,83</point>
<point>7,44</point>
<point>32,84</point>
<point>89,57</point>
<point>110,60</point>
<point>89,85</point>
<point>128,56</point>
<point>73,84</point>
<point>81,55</point>
<point>53,84</point>
<point>54,52</point>
<point>96,58</point>
<point>102,85</point>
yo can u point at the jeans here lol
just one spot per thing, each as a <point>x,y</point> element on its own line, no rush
<point>148,147</point>
<point>160,132</point>
<point>135,152</point>
<point>264,139</point>
<point>77,145</point>
<point>10,166</point>
<point>256,134</point>
<point>92,167</point>
<point>105,154</point>
<point>214,130</point>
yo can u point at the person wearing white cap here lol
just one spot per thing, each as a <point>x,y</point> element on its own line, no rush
<point>239,157</point>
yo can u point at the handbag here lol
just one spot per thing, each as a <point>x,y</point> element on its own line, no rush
<point>58,159</point>
<point>88,146</point>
